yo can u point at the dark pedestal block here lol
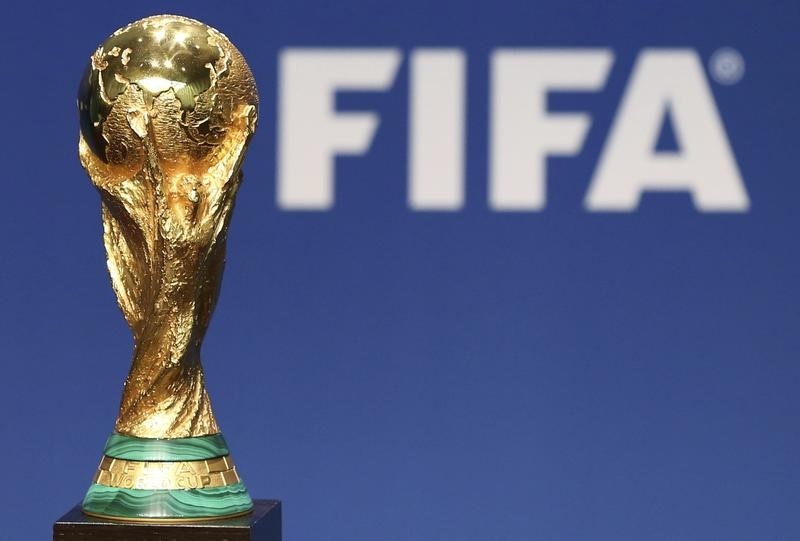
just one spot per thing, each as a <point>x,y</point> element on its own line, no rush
<point>263,524</point>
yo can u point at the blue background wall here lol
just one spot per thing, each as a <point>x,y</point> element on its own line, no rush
<point>475,375</point>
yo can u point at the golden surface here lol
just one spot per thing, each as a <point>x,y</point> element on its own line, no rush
<point>119,473</point>
<point>167,108</point>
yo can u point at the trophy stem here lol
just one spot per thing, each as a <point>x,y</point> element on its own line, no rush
<point>165,399</point>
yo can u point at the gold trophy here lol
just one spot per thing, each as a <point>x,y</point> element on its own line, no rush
<point>167,108</point>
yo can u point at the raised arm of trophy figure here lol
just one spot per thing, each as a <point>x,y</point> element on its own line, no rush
<point>162,209</point>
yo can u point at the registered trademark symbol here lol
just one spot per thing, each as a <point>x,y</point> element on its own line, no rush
<point>726,66</point>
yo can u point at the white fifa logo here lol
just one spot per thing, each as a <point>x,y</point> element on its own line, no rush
<point>523,133</point>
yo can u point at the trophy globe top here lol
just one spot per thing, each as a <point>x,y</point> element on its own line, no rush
<point>170,78</point>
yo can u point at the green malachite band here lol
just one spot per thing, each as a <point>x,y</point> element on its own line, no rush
<point>167,504</point>
<point>170,450</point>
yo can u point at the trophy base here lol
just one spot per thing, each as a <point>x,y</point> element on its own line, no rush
<point>262,524</point>
<point>166,480</point>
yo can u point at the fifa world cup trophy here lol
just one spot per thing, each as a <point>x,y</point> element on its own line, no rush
<point>167,107</point>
